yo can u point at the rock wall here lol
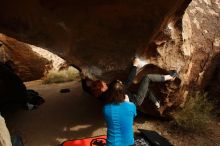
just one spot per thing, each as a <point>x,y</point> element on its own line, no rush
<point>100,33</point>
<point>26,63</point>
<point>189,44</point>
<point>204,46</point>
<point>203,42</point>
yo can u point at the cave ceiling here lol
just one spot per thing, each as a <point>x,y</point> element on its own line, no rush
<point>99,33</point>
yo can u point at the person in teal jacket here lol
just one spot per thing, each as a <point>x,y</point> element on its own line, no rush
<point>119,115</point>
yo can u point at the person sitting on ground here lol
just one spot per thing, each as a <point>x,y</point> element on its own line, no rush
<point>119,115</point>
<point>98,88</point>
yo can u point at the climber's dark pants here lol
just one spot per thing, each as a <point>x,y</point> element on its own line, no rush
<point>143,89</point>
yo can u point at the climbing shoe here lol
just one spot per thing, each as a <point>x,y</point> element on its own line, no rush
<point>173,73</point>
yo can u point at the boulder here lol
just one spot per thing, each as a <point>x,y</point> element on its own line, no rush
<point>27,64</point>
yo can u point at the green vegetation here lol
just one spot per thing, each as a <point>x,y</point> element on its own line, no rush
<point>66,75</point>
<point>195,115</point>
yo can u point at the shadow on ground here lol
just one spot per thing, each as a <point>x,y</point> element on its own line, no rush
<point>63,116</point>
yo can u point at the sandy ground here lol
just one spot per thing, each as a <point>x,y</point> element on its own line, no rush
<point>63,116</point>
<point>75,115</point>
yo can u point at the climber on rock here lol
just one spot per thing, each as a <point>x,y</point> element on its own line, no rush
<point>98,88</point>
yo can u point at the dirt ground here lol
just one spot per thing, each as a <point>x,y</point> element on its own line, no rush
<point>75,115</point>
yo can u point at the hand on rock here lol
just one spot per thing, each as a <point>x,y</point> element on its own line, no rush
<point>139,63</point>
<point>157,104</point>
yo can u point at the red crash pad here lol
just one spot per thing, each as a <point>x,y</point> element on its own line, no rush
<point>92,141</point>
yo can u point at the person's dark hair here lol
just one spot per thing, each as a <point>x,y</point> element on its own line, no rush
<point>96,88</point>
<point>116,92</point>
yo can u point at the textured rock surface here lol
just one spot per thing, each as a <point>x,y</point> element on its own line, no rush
<point>27,64</point>
<point>189,44</point>
<point>100,33</point>
<point>106,35</point>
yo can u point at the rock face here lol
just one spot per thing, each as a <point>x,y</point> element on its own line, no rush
<point>100,33</point>
<point>181,35</point>
<point>26,63</point>
<point>190,45</point>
